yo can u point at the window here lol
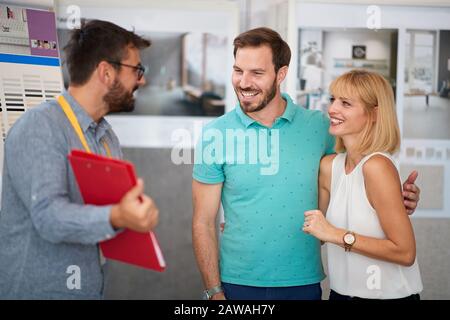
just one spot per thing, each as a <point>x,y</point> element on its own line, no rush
<point>420,61</point>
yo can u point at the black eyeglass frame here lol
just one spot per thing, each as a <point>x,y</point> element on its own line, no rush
<point>139,68</point>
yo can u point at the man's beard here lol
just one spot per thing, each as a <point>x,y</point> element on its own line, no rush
<point>119,99</point>
<point>267,99</point>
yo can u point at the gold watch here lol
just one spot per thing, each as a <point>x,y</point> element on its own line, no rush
<point>349,240</point>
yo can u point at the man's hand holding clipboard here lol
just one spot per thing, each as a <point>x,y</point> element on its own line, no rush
<point>108,181</point>
<point>136,211</point>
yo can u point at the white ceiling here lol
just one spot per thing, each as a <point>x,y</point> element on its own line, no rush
<point>42,4</point>
<point>427,3</point>
<point>49,3</point>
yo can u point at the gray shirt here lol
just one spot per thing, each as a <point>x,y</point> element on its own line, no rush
<point>47,234</point>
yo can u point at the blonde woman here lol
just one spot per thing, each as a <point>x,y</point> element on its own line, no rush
<point>370,241</point>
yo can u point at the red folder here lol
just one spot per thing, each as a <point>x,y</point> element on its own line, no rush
<point>104,181</point>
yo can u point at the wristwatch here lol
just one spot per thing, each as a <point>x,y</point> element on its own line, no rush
<point>349,240</point>
<point>209,293</point>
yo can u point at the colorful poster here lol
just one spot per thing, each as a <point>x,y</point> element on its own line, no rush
<point>42,33</point>
<point>30,71</point>
<point>29,62</point>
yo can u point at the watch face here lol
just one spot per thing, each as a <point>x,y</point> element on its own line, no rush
<point>349,238</point>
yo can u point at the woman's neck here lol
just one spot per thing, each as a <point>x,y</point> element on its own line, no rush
<point>354,156</point>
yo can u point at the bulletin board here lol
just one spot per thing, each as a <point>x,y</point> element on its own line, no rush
<point>30,70</point>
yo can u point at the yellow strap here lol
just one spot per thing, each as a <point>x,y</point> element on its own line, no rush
<point>76,125</point>
<point>108,152</point>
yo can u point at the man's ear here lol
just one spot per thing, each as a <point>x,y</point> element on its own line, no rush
<point>281,75</point>
<point>105,73</point>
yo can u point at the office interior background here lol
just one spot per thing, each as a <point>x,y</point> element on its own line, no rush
<point>189,84</point>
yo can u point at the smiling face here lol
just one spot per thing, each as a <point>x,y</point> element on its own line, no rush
<point>348,116</point>
<point>254,78</point>
<point>120,96</point>
<point>362,113</point>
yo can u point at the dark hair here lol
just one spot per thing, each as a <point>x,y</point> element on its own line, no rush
<point>98,41</point>
<point>281,53</point>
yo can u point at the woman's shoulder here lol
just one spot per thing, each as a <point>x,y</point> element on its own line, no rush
<point>379,166</point>
<point>326,164</point>
<point>379,161</point>
<point>328,159</point>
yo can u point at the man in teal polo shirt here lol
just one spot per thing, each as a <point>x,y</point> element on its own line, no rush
<point>261,160</point>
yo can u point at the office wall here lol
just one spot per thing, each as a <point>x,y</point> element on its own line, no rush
<point>170,186</point>
<point>338,44</point>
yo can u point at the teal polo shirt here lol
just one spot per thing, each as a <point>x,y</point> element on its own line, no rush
<point>264,201</point>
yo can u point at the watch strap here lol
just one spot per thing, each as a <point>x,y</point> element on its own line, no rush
<point>212,291</point>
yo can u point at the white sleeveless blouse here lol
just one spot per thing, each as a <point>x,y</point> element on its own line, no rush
<point>350,273</point>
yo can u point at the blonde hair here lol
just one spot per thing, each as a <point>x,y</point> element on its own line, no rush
<point>383,134</point>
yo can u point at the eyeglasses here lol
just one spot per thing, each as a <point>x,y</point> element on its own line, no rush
<point>140,69</point>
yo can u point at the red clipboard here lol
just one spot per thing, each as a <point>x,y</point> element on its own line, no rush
<point>104,181</point>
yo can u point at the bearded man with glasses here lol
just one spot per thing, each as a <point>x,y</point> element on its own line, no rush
<point>46,232</point>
